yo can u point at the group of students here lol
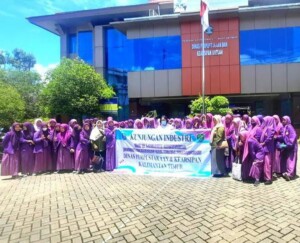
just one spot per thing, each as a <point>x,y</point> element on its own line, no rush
<point>265,146</point>
<point>52,147</point>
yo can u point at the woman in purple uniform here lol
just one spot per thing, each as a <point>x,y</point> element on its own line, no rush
<point>11,152</point>
<point>42,150</point>
<point>27,145</point>
<point>267,141</point>
<point>83,150</point>
<point>289,149</point>
<point>111,146</point>
<point>65,158</point>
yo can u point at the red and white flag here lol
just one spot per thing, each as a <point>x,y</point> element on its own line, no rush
<point>204,14</point>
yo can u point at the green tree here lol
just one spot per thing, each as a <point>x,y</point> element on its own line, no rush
<point>29,86</point>
<point>12,106</point>
<point>20,60</point>
<point>2,58</point>
<point>220,105</point>
<point>74,89</point>
<point>216,105</point>
<point>197,104</point>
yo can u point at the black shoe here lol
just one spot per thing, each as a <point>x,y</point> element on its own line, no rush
<point>256,183</point>
<point>286,177</point>
<point>268,182</point>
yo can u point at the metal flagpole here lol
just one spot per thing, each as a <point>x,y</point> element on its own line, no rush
<point>203,72</point>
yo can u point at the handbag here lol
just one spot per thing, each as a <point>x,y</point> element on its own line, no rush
<point>223,145</point>
<point>236,170</point>
<point>97,159</point>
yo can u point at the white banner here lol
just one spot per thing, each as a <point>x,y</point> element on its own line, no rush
<point>160,151</point>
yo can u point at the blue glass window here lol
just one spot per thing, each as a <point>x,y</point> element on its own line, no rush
<point>155,53</point>
<point>270,46</point>
<point>85,46</point>
<point>72,44</point>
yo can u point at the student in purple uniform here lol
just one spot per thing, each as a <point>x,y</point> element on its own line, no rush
<point>110,161</point>
<point>253,156</point>
<point>11,152</point>
<point>289,149</point>
<point>42,150</point>
<point>83,150</point>
<point>267,141</point>
<point>276,166</point>
<point>65,158</point>
<point>27,145</point>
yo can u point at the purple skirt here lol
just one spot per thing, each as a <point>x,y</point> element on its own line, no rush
<point>42,161</point>
<point>27,161</point>
<point>82,159</point>
<point>10,164</point>
<point>277,162</point>
<point>65,160</point>
<point>110,163</point>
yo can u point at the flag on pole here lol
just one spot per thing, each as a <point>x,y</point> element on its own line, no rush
<point>204,14</point>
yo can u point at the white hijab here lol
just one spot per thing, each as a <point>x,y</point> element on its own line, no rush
<point>36,128</point>
<point>218,124</point>
<point>97,132</point>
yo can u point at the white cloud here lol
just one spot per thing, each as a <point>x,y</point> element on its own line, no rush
<point>42,70</point>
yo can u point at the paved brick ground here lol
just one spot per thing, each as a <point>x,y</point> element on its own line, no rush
<point>108,207</point>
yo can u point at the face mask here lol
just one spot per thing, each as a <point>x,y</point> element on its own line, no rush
<point>164,123</point>
<point>44,129</point>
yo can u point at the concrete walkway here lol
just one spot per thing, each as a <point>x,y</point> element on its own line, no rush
<point>108,207</point>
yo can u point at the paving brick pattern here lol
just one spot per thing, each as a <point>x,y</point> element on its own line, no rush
<point>108,207</point>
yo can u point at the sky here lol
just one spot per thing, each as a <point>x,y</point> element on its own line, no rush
<point>17,32</point>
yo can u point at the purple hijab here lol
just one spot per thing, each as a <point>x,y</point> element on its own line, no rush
<point>15,136</point>
<point>196,122</point>
<point>29,132</point>
<point>189,124</point>
<point>255,120</point>
<point>86,133</point>
<point>152,123</point>
<point>209,120</point>
<point>52,127</point>
<point>245,134</point>
<point>268,123</point>
<point>146,122</point>
<point>278,123</point>
<point>229,126</point>
<point>122,124</point>
<point>178,123</point>
<point>64,137</point>
<point>138,124</point>
<point>130,123</point>
<point>260,117</point>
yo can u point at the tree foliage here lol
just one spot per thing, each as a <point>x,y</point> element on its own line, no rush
<point>216,105</point>
<point>197,104</point>
<point>18,60</point>
<point>74,89</point>
<point>12,106</point>
<point>220,105</point>
<point>29,86</point>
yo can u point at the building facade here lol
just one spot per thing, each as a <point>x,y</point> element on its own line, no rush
<point>153,56</point>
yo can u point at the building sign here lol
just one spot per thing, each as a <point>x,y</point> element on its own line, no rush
<point>109,105</point>
<point>181,6</point>
<point>163,151</point>
<point>212,49</point>
<point>222,58</point>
